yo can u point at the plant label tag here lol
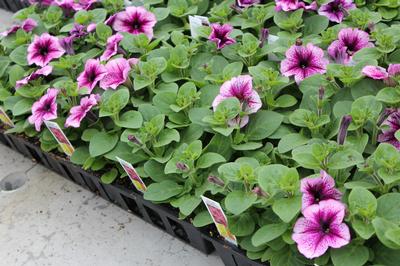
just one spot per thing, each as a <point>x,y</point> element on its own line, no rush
<point>59,135</point>
<point>133,175</point>
<point>220,220</point>
<point>5,118</point>
<point>195,25</point>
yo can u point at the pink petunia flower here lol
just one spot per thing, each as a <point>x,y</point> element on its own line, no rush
<point>41,2</point>
<point>91,27</point>
<point>78,31</point>
<point>43,49</point>
<point>111,47</point>
<point>392,124</point>
<point>75,5</point>
<point>247,3</point>
<point>318,189</point>
<point>321,227</point>
<point>349,41</point>
<point>28,25</point>
<point>67,43</point>
<point>93,73</point>
<point>240,87</point>
<point>135,20</point>
<point>291,5</point>
<point>44,109</point>
<point>220,35</point>
<point>379,73</point>
<point>336,10</point>
<point>303,61</point>
<point>110,21</point>
<point>375,72</point>
<point>117,73</point>
<point>77,113</point>
<point>44,71</point>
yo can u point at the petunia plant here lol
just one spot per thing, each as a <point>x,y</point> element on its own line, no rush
<point>285,112</point>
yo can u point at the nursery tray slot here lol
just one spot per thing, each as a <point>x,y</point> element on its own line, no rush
<point>178,230</point>
<point>155,218</point>
<point>13,181</point>
<point>34,154</point>
<point>132,205</point>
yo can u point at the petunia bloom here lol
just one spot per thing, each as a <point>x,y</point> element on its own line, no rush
<point>44,71</point>
<point>291,5</point>
<point>117,73</point>
<point>316,189</point>
<point>240,87</point>
<point>43,49</point>
<point>67,43</point>
<point>375,72</point>
<point>111,47</point>
<point>392,124</point>
<point>303,61</point>
<point>41,2</point>
<point>78,113</point>
<point>93,73</point>
<point>220,35</point>
<point>44,109</point>
<point>135,20</point>
<point>73,5</point>
<point>336,10</point>
<point>321,227</point>
<point>28,25</point>
<point>379,73</point>
<point>349,42</point>
<point>247,3</point>
<point>78,31</point>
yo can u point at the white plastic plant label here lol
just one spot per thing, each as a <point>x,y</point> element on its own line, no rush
<point>133,175</point>
<point>59,135</point>
<point>5,118</point>
<point>195,25</point>
<point>220,220</point>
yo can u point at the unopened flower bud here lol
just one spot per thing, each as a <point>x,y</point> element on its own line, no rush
<point>182,166</point>
<point>344,125</point>
<point>259,192</point>
<point>215,180</point>
<point>321,93</point>
<point>263,36</point>
<point>135,140</point>
<point>236,8</point>
<point>299,42</point>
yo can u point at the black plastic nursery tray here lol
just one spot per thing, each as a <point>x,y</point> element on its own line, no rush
<point>161,216</point>
<point>13,5</point>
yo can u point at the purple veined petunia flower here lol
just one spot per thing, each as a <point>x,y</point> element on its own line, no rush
<point>291,5</point>
<point>316,189</point>
<point>44,109</point>
<point>240,87</point>
<point>42,2</point>
<point>117,73</point>
<point>78,113</point>
<point>220,35</point>
<point>336,10</point>
<point>247,3</point>
<point>111,47</point>
<point>93,73</point>
<point>73,5</point>
<point>43,49</point>
<point>349,41</point>
<point>375,72</point>
<point>392,124</point>
<point>110,21</point>
<point>67,43</point>
<point>78,31</point>
<point>303,61</point>
<point>321,227</point>
<point>135,20</point>
<point>28,25</point>
<point>44,71</point>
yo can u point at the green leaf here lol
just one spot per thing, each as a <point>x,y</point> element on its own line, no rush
<point>202,219</point>
<point>352,254</point>
<point>113,101</point>
<point>263,124</point>
<point>382,226</point>
<point>268,233</point>
<point>101,143</point>
<point>315,24</point>
<point>208,159</point>
<point>389,207</point>
<point>110,176</point>
<point>238,201</point>
<point>23,106</point>
<point>167,136</point>
<point>80,155</point>
<point>363,228</point>
<point>130,119</point>
<point>19,55</point>
<point>15,73</point>
<point>344,159</point>
<point>242,225</point>
<point>291,141</point>
<point>287,208</point>
<point>362,202</point>
<point>4,63</point>
<point>186,204</point>
<point>162,191</point>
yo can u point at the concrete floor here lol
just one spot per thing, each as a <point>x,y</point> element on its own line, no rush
<point>51,221</point>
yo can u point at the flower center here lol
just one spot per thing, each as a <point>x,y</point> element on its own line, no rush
<point>47,107</point>
<point>92,76</point>
<point>43,51</point>
<point>325,227</point>
<point>336,7</point>
<point>136,25</point>
<point>303,63</point>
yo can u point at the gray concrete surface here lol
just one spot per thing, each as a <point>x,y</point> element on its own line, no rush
<point>51,221</point>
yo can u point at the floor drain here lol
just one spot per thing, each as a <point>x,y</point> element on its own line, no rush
<point>13,181</point>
